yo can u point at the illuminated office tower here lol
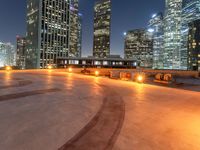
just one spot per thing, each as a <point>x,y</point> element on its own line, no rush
<point>139,47</point>
<point>190,13</point>
<point>156,28</point>
<point>194,45</point>
<point>75,30</point>
<point>102,25</point>
<point>7,54</point>
<point>49,31</point>
<point>80,34</point>
<point>172,34</point>
<point>21,52</point>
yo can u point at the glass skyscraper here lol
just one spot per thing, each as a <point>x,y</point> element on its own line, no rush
<point>194,45</point>
<point>51,31</point>
<point>21,52</point>
<point>190,13</point>
<point>139,47</point>
<point>172,34</point>
<point>7,54</point>
<point>102,25</point>
<point>74,42</point>
<point>156,28</point>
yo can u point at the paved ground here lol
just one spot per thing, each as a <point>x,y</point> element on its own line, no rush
<point>46,110</point>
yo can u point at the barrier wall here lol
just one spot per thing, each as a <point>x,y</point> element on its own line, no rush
<point>106,72</point>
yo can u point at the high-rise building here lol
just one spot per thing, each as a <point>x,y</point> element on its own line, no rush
<point>139,47</point>
<point>7,54</point>
<point>190,12</point>
<point>102,25</point>
<point>194,45</point>
<point>75,23</point>
<point>80,34</point>
<point>156,28</point>
<point>51,31</point>
<point>21,52</point>
<point>172,34</point>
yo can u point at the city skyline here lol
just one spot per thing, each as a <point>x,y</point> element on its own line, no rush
<point>119,23</point>
<point>100,75</point>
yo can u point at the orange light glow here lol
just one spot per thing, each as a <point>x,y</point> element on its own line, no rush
<point>50,67</point>
<point>70,69</point>
<point>8,68</point>
<point>140,78</point>
<point>96,73</point>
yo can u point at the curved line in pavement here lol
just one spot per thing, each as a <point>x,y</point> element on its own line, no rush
<point>19,84</point>
<point>26,94</point>
<point>102,131</point>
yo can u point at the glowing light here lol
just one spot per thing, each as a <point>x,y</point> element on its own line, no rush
<point>50,67</point>
<point>70,69</point>
<point>8,68</point>
<point>96,73</point>
<point>140,78</point>
<point>125,33</point>
<point>150,30</point>
<point>154,15</point>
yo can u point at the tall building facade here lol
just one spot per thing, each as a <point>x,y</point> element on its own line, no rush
<point>156,28</point>
<point>172,34</point>
<point>190,13</point>
<point>75,30</point>
<point>51,31</point>
<point>102,28</point>
<point>7,54</point>
<point>194,45</point>
<point>80,34</point>
<point>21,52</point>
<point>139,47</point>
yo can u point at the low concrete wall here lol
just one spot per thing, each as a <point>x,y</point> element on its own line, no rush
<point>104,71</point>
<point>174,72</point>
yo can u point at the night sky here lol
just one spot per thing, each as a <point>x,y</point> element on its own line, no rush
<point>126,15</point>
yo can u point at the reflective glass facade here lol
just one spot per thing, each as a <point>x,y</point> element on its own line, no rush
<point>21,52</point>
<point>194,45</point>
<point>156,27</point>
<point>102,25</point>
<point>139,47</point>
<point>51,31</point>
<point>172,34</point>
<point>190,12</point>
<point>7,55</point>
<point>74,42</point>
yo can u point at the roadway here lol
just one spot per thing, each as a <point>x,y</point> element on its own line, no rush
<point>49,110</point>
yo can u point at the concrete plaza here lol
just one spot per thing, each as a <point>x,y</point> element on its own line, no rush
<point>49,110</point>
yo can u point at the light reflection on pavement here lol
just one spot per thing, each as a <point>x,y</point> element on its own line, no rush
<point>154,118</point>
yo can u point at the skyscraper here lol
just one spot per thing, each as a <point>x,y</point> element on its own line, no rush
<point>75,24</point>
<point>194,45</point>
<point>21,52</point>
<point>172,34</point>
<point>156,28</point>
<point>7,54</point>
<point>139,47</point>
<point>190,12</point>
<point>51,31</point>
<point>102,25</point>
<point>80,34</point>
